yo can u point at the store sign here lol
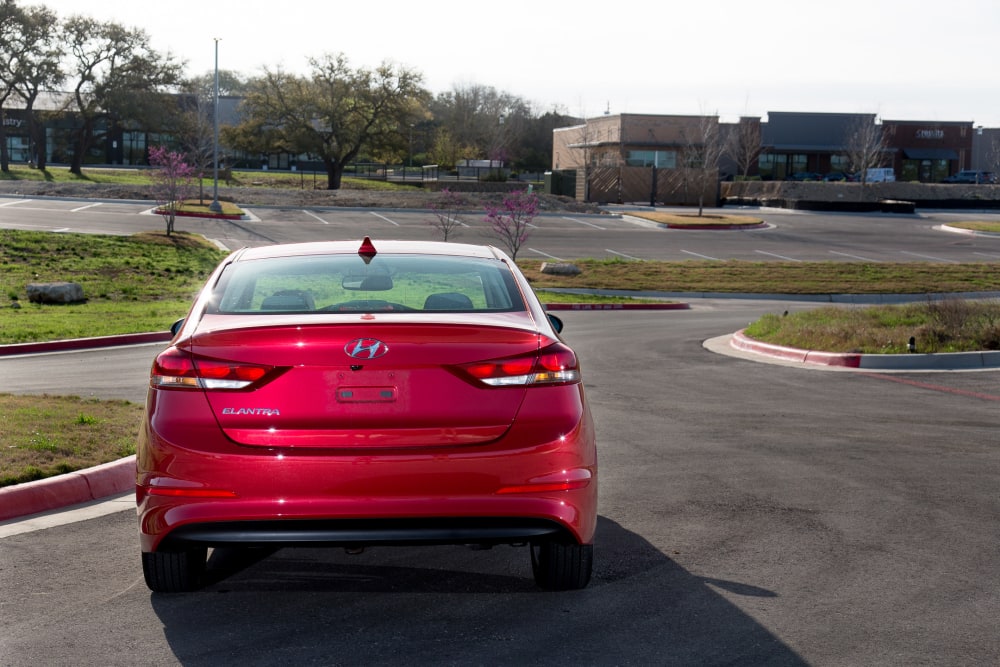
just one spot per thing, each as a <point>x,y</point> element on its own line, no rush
<point>13,122</point>
<point>930,134</point>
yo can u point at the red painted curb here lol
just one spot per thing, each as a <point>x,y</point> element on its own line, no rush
<point>185,214</point>
<point>70,489</point>
<point>83,343</point>
<point>617,306</point>
<point>753,225</point>
<point>848,360</point>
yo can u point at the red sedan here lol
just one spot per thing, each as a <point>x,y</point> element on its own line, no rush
<point>366,394</point>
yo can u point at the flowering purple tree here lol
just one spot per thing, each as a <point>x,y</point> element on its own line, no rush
<point>173,182</point>
<point>510,223</point>
<point>448,210</point>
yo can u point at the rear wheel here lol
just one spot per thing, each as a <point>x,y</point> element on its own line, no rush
<point>562,566</point>
<point>173,571</point>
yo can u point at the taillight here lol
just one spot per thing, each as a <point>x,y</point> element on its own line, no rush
<point>177,369</point>
<point>556,364</point>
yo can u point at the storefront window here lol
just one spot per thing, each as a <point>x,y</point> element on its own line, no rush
<point>659,159</point>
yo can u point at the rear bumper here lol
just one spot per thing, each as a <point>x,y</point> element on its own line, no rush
<point>362,532</point>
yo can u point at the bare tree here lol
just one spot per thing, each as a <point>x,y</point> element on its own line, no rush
<point>865,146</point>
<point>448,213</point>
<point>744,144</point>
<point>703,148</point>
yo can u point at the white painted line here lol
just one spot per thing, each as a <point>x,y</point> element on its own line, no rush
<point>986,254</point>
<point>545,254</point>
<point>863,259</point>
<point>688,252</point>
<point>62,229</point>
<point>313,215</point>
<point>16,202</point>
<point>84,208</point>
<point>583,222</point>
<point>936,259</point>
<point>771,254</point>
<point>621,254</point>
<point>379,215</point>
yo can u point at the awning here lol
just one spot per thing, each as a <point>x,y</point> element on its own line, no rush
<point>930,154</point>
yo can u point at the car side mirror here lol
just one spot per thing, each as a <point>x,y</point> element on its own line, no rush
<point>176,326</point>
<point>556,323</point>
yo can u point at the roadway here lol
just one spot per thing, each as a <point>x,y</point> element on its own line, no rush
<point>790,235</point>
<point>751,513</point>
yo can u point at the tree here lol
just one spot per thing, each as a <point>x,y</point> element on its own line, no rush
<point>333,114</point>
<point>865,146</point>
<point>703,147</point>
<point>744,144</point>
<point>510,223</point>
<point>29,62</point>
<point>483,122</point>
<point>118,76</point>
<point>172,182</point>
<point>447,213</point>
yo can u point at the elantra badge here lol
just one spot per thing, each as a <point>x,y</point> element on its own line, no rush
<point>366,348</point>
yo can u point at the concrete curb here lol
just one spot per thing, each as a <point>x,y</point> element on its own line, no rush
<point>925,362</point>
<point>72,488</point>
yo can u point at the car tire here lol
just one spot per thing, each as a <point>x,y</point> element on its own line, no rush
<point>173,571</point>
<point>562,566</point>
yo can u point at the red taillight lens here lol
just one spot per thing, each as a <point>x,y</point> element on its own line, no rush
<point>178,369</point>
<point>556,364</point>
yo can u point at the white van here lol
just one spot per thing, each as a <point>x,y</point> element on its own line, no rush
<point>880,175</point>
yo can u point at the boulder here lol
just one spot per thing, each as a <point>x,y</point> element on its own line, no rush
<point>55,293</point>
<point>560,269</point>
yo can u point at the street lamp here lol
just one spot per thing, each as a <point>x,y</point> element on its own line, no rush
<point>215,206</point>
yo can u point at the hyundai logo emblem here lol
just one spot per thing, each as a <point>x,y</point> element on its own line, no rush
<point>366,348</point>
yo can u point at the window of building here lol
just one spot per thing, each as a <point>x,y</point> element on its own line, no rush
<point>659,159</point>
<point>840,163</point>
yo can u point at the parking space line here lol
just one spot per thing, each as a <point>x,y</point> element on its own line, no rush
<point>771,254</point>
<point>584,222</point>
<point>936,259</point>
<point>621,254</point>
<point>545,254</point>
<point>987,254</point>
<point>695,254</point>
<point>379,215</point>
<point>16,202</point>
<point>84,208</point>
<point>313,215</point>
<point>863,259</point>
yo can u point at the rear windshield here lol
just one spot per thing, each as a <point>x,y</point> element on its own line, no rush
<point>345,283</point>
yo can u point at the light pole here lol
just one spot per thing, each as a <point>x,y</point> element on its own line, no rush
<point>215,206</point>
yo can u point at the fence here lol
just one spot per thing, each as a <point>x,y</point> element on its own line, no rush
<point>648,185</point>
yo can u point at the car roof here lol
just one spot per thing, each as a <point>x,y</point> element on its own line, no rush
<point>439,248</point>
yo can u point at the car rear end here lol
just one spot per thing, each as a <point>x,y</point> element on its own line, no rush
<point>354,395</point>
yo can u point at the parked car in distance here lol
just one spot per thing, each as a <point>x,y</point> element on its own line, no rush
<point>878,175</point>
<point>971,176</point>
<point>839,176</point>
<point>359,394</point>
<point>805,176</point>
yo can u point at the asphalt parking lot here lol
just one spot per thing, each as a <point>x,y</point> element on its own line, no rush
<point>751,513</point>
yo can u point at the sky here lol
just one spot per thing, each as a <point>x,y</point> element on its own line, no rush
<point>916,60</point>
